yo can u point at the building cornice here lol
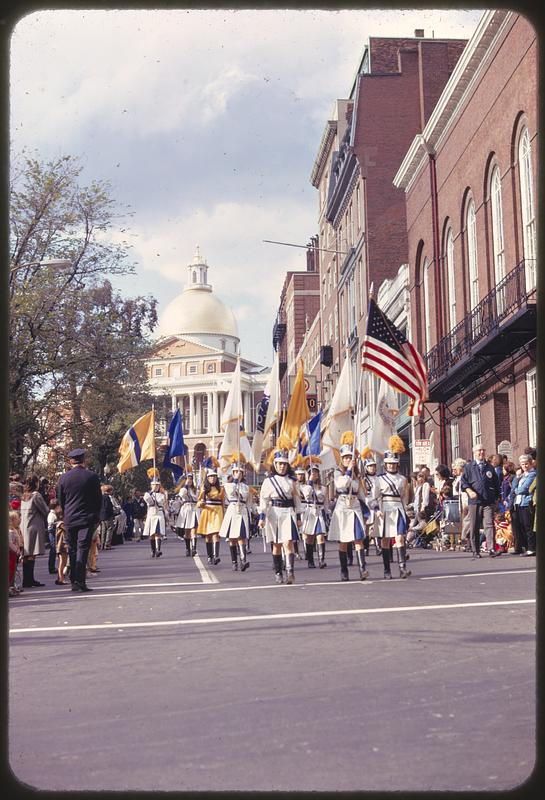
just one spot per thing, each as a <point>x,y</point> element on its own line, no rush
<point>328,138</point>
<point>454,95</point>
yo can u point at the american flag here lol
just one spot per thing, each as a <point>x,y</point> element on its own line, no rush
<point>389,354</point>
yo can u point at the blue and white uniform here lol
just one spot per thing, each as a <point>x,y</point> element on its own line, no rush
<point>236,522</point>
<point>279,503</point>
<point>348,519</point>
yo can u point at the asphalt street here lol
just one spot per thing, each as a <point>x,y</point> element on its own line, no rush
<point>172,675</point>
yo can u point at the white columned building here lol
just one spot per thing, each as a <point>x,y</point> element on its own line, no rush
<point>193,361</point>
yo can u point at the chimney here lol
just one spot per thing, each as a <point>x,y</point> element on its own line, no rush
<point>419,33</point>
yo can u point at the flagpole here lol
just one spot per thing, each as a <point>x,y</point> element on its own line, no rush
<point>153,432</point>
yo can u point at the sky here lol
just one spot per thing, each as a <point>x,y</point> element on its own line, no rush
<point>206,123</point>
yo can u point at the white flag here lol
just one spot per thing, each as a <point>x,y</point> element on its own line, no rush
<point>384,421</point>
<point>267,413</point>
<point>235,439</point>
<point>339,416</point>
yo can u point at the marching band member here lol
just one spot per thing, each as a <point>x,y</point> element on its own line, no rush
<point>156,501</point>
<point>211,500</point>
<point>188,518</point>
<point>314,525</point>
<point>348,519</point>
<point>300,476</point>
<point>236,522</point>
<point>280,513</point>
<point>392,494</point>
<point>369,480</point>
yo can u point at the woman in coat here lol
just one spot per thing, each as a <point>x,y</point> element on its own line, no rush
<point>34,511</point>
<point>280,514</point>
<point>348,519</point>
<point>236,522</point>
<point>211,502</point>
<point>157,502</point>
<point>188,518</point>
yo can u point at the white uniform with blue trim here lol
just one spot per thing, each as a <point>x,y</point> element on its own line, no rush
<point>347,508</point>
<point>188,517</point>
<point>236,495</point>
<point>390,491</point>
<point>156,516</point>
<point>313,519</point>
<point>280,501</point>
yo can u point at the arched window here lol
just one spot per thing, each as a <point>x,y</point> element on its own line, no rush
<point>527,207</point>
<point>451,280</point>
<point>427,315</point>
<point>498,245</point>
<point>471,228</point>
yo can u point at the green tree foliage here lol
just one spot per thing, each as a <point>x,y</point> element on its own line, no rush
<point>77,347</point>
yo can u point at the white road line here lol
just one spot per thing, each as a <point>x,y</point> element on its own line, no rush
<point>268,617</point>
<point>207,577</point>
<point>476,574</point>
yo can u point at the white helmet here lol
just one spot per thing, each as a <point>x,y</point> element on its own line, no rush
<point>391,457</point>
<point>211,471</point>
<point>346,450</point>
<point>281,457</point>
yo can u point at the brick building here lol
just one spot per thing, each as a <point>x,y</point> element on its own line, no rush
<point>470,189</point>
<point>299,306</point>
<point>362,216</point>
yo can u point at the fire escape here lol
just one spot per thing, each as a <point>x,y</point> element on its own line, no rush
<point>501,325</point>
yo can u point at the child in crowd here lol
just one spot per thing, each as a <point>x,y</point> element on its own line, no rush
<point>504,535</point>
<point>14,550</point>
<point>61,548</point>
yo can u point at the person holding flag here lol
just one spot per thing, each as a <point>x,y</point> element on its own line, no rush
<point>175,455</point>
<point>211,501</point>
<point>187,519</point>
<point>280,513</point>
<point>157,502</point>
<point>369,480</point>
<point>348,519</point>
<point>236,522</point>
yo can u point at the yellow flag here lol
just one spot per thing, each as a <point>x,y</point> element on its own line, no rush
<point>138,444</point>
<point>296,414</point>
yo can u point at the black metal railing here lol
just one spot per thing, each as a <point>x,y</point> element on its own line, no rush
<point>509,296</point>
<point>279,331</point>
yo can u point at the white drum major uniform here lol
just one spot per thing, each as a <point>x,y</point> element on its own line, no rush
<point>391,494</point>
<point>314,523</point>
<point>280,514</point>
<point>236,522</point>
<point>348,519</point>
<point>155,527</point>
<point>188,517</point>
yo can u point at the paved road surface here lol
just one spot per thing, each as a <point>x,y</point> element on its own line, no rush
<point>173,675</point>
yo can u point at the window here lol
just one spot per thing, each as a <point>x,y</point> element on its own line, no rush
<point>222,344</point>
<point>427,315</point>
<point>454,439</point>
<point>330,328</point>
<point>476,424</point>
<point>158,371</point>
<point>192,369</point>
<point>472,263</point>
<point>336,320</point>
<point>351,306</point>
<point>210,367</point>
<point>498,245</point>
<point>531,393</point>
<point>358,214</point>
<point>194,276</point>
<point>451,280</point>
<point>527,208</point>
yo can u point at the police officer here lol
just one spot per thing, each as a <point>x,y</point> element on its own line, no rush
<point>482,485</point>
<point>391,495</point>
<point>79,494</point>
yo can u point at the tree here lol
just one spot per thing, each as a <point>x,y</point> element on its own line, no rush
<point>77,348</point>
